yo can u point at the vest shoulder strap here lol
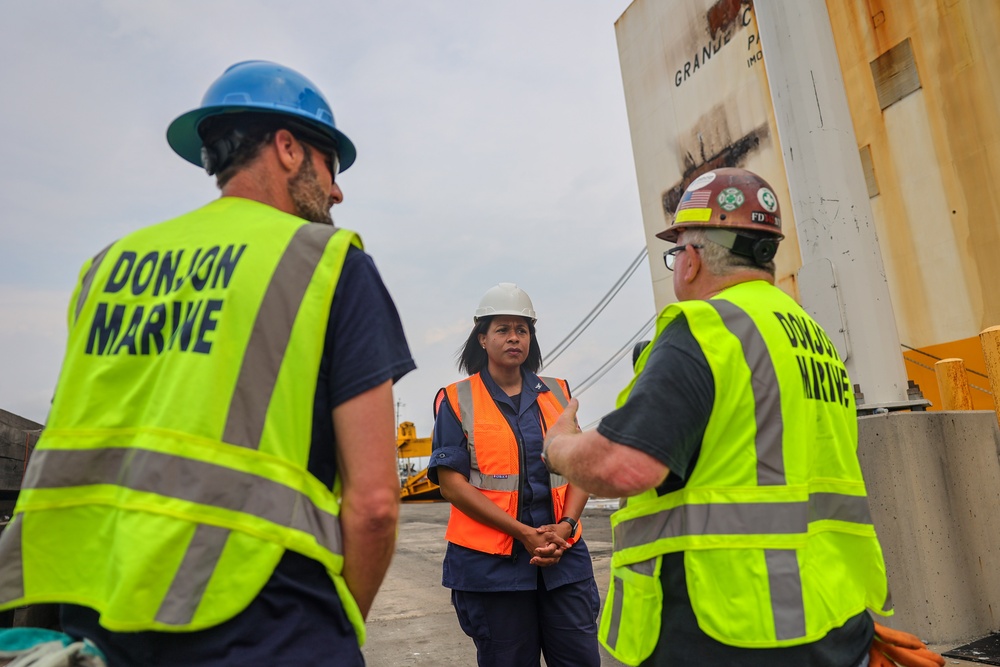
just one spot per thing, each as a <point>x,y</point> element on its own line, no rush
<point>555,385</point>
<point>439,397</point>
<point>462,393</point>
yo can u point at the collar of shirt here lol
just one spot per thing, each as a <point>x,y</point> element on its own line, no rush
<point>531,387</point>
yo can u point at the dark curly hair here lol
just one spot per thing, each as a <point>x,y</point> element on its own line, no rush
<point>472,358</point>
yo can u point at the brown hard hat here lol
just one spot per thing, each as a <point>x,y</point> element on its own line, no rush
<point>728,198</point>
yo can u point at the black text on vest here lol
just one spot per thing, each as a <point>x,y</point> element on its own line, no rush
<point>183,319</point>
<point>824,377</point>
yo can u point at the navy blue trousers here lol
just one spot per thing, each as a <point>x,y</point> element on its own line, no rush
<point>513,629</point>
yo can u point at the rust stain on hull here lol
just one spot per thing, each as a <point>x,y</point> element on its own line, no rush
<point>941,263</point>
<point>732,155</point>
<point>722,15</point>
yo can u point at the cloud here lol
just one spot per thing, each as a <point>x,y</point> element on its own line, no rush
<point>32,338</point>
<point>493,146</point>
<point>455,331</point>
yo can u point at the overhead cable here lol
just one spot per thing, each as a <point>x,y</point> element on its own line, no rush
<point>571,337</point>
<point>592,379</point>
<point>928,354</point>
<point>933,370</point>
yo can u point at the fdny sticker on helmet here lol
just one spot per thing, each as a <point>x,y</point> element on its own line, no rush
<point>765,218</point>
<point>767,200</point>
<point>701,181</point>
<point>730,199</point>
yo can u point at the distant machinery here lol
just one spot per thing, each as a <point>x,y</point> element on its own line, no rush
<point>414,485</point>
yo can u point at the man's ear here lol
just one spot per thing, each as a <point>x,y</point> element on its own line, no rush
<point>693,265</point>
<point>288,149</point>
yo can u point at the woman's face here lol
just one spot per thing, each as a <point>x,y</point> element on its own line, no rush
<point>506,341</point>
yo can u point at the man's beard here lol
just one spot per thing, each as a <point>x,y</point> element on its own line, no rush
<point>310,201</point>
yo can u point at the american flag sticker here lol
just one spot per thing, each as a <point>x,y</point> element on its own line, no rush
<point>694,199</point>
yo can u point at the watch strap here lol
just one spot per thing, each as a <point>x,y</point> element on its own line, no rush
<point>573,524</point>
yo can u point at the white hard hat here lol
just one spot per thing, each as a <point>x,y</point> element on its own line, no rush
<point>505,299</point>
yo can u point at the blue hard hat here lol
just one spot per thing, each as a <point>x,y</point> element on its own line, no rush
<point>261,86</point>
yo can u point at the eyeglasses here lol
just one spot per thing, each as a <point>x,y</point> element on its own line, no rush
<point>326,147</point>
<point>330,159</point>
<point>332,163</point>
<point>670,256</point>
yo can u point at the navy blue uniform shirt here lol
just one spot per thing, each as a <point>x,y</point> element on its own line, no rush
<point>470,570</point>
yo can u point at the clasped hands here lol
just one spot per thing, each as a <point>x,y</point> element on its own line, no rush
<point>547,543</point>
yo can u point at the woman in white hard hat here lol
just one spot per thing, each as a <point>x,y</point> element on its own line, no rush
<point>521,578</point>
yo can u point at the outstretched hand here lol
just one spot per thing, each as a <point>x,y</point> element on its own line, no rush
<point>565,425</point>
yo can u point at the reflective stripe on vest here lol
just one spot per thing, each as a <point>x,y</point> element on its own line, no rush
<point>555,386</point>
<point>271,331</point>
<point>509,482</point>
<point>769,521</point>
<point>88,280</point>
<point>767,516</point>
<point>500,480</point>
<point>467,416</point>
<point>646,568</point>
<point>258,375</point>
<point>767,403</point>
<point>12,571</point>
<point>186,479</point>
<point>557,390</point>
<point>764,519</point>
<point>282,502</point>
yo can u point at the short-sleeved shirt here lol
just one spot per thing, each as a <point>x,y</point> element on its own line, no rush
<point>297,619</point>
<point>470,570</point>
<point>665,416</point>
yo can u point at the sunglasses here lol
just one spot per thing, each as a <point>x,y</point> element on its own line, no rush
<point>321,143</point>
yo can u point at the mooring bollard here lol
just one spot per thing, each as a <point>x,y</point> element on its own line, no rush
<point>953,383</point>
<point>990,340</point>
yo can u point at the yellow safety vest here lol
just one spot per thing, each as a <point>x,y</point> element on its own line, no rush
<point>778,542</point>
<point>172,474</point>
<point>495,459</point>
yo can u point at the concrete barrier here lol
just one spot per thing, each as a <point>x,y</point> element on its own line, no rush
<point>17,437</point>
<point>934,487</point>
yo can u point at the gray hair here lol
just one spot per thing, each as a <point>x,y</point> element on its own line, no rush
<point>718,259</point>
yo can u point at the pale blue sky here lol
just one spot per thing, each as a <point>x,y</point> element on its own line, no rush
<point>492,139</point>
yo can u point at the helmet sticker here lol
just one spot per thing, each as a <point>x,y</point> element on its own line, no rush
<point>693,215</point>
<point>701,181</point>
<point>696,199</point>
<point>765,218</point>
<point>730,199</point>
<point>767,200</point>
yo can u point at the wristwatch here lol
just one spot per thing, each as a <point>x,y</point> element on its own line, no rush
<point>572,524</point>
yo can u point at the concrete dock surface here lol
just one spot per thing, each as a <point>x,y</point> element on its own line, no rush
<point>413,623</point>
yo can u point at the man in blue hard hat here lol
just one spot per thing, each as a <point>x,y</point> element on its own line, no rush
<point>216,484</point>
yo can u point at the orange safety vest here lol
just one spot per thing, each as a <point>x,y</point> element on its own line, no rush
<point>496,459</point>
